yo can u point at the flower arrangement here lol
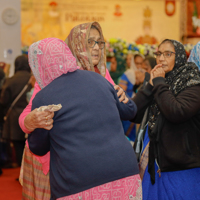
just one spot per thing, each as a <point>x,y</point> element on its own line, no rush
<point>121,47</point>
<point>117,46</point>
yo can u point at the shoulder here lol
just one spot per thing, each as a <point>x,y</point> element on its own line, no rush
<point>193,89</point>
<point>95,81</point>
<point>8,82</point>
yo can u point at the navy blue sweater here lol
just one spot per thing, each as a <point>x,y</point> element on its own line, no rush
<point>87,142</point>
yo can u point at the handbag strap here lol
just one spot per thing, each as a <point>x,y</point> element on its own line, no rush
<point>16,99</point>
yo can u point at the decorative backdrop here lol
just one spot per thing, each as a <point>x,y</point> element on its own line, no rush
<point>127,19</point>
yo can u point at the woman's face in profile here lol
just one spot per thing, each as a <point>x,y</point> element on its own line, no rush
<point>113,65</point>
<point>95,52</point>
<point>146,66</point>
<point>128,60</point>
<point>169,61</point>
<point>138,61</point>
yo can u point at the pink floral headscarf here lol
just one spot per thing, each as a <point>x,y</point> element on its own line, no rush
<point>77,41</point>
<point>50,58</point>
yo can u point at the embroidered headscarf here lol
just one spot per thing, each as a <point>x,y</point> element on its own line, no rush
<point>77,41</point>
<point>50,58</point>
<point>184,74</point>
<point>195,55</point>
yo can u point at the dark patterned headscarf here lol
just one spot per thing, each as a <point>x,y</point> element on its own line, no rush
<point>184,74</point>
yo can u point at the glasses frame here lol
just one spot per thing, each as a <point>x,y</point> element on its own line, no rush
<point>96,42</point>
<point>155,54</point>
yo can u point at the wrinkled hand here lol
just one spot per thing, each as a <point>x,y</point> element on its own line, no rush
<point>158,71</point>
<point>39,119</point>
<point>121,94</point>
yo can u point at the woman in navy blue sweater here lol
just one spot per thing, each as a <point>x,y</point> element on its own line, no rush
<point>90,156</point>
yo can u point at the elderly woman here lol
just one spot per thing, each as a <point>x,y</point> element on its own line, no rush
<point>87,153</point>
<point>86,42</point>
<point>170,149</point>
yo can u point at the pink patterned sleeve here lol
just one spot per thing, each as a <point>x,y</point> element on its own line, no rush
<point>108,77</point>
<point>27,110</point>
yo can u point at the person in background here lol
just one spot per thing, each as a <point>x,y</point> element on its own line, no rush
<point>86,43</point>
<point>10,90</point>
<point>79,146</point>
<point>117,68</point>
<point>134,75</point>
<point>169,144</point>
<point>195,55</point>
<point>149,63</point>
<point>2,143</point>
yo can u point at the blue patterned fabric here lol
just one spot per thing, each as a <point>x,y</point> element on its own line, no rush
<point>195,55</point>
<point>129,89</point>
<point>177,185</point>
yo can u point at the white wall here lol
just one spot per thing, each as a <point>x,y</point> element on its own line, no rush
<point>10,35</point>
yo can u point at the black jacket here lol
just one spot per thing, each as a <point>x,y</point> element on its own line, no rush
<point>10,90</point>
<point>178,146</point>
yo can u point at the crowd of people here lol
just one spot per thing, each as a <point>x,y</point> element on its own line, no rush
<point>130,132</point>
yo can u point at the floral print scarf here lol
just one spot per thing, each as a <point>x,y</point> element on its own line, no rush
<point>77,41</point>
<point>50,58</point>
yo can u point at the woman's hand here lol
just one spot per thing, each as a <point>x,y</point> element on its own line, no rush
<point>158,71</point>
<point>151,78</point>
<point>121,94</point>
<point>39,119</point>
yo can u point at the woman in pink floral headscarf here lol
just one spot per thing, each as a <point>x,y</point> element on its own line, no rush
<point>90,156</point>
<point>34,174</point>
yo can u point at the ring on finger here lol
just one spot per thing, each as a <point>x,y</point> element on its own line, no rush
<point>46,124</point>
<point>46,118</point>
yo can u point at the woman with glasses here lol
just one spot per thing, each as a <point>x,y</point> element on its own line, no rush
<point>168,143</point>
<point>86,43</point>
<point>90,157</point>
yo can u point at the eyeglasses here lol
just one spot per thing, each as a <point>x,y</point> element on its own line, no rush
<point>91,43</point>
<point>166,54</point>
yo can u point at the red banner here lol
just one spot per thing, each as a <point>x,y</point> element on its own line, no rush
<point>170,7</point>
